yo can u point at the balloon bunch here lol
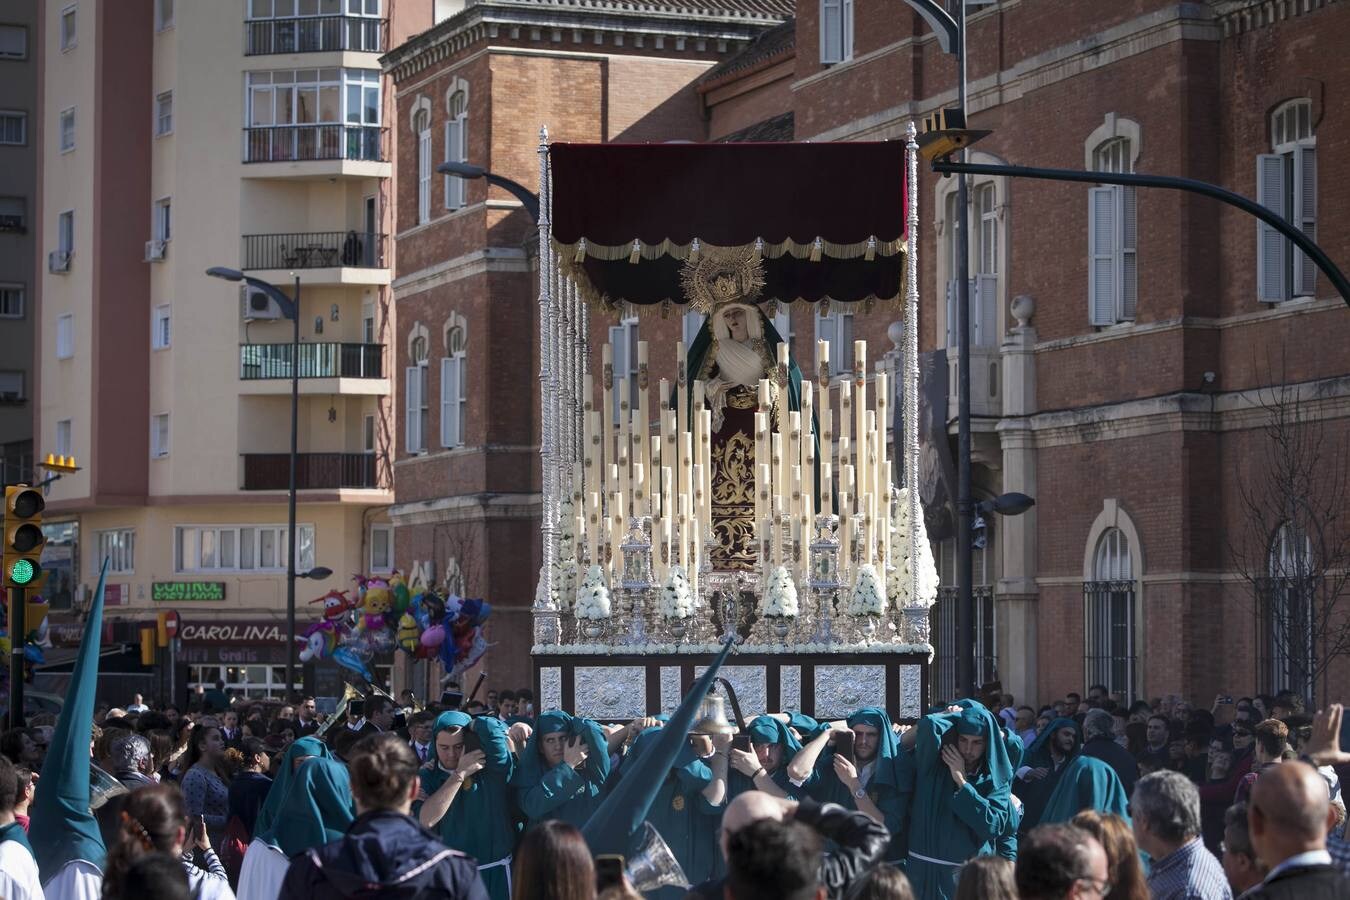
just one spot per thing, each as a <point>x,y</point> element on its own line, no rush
<point>387,615</point>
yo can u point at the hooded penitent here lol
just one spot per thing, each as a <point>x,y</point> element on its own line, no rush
<point>768,730</point>
<point>878,776</point>
<point>949,825</point>
<point>619,818</point>
<point>478,822</point>
<point>63,828</point>
<point>1086,783</point>
<point>1035,793</point>
<point>317,808</point>
<point>562,792</point>
<point>305,746</point>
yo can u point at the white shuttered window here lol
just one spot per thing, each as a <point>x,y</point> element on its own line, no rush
<point>836,31</point>
<point>836,329</point>
<point>423,168</point>
<point>1286,183</point>
<point>457,148</point>
<point>452,399</point>
<point>1113,269</point>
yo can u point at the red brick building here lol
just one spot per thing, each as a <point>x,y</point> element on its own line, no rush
<point>478,86</point>
<point>1127,343</point>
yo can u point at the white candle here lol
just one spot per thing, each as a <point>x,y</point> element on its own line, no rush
<point>684,531</point>
<point>581,542</point>
<point>845,418</point>
<point>668,508</point>
<point>860,414</point>
<point>705,459</point>
<point>616,502</point>
<point>763,493</point>
<point>846,545</point>
<point>594,528</point>
<point>700,500</point>
<point>639,490</point>
<point>681,396</point>
<point>607,455</point>
<point>779,488</point>
<point>826,486</point>
<point>765,398</point>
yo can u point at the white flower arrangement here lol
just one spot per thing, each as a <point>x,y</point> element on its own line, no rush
<point>565,565</point>
<point>867,598</point>
<point>677,601</point>
<point>593,596</point>
<point>901,580</point>
<point>781,597</point>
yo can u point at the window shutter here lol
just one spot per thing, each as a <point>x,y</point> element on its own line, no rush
<point>831,30</point>
<point>413,410</point>
<point>448,184</point>
<point>984,312</point>
<point>461,155</point>
<point>1305,217</point>
<point>1129,269</point>
<point>1271,247</point>
<point>1102,255</point>
<point>618,339</point>
<point>424,177</point>
<point>846,14</point>
<point>449,402</point>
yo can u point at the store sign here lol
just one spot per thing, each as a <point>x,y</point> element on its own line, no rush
<point>232,633</point>
<point>175,591</point>
<point>227,655</point>
<point>116,594</point>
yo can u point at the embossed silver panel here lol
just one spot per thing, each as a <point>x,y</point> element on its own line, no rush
<point>751,685</point>
<point>911,687</point>
<point>550,688</point>
<point>610,692</point>
<point>789,688</point>
<point>842,689</point>
<point>671,695</point>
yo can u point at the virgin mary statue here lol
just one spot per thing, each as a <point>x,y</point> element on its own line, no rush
<point>736,347</point>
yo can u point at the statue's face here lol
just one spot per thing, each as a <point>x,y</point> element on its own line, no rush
<point>736,324</point>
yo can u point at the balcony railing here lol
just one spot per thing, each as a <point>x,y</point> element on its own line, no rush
<point>314,34</point>
<point>314,250</point>
<point>946,643</point>
<point>259,361</point>
<point>302,143</point>
<point>313,471</point>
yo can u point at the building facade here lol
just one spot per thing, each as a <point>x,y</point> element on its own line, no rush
<point>249,134</point>
<point>19,139</point>
<point>1131,348</point>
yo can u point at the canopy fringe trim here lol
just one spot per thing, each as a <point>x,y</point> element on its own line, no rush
<point>638,249</point>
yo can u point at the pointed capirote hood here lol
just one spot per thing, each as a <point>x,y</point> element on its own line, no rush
<point>611,828</point>
<point>64,829</point>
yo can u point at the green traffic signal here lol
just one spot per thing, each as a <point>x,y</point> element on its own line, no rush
<point>22,572</point>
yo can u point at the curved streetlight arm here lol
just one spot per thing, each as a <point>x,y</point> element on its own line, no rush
<point>944,26</point>
<point>1223,195</point>
<point>528,198</point>
<point>288,307</point>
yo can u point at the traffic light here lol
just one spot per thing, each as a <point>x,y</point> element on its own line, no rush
<point>23,536</point>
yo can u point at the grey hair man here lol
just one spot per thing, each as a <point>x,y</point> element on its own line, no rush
<point>132,761</point>
<point>1099,742</point>
<point>1165,807</point>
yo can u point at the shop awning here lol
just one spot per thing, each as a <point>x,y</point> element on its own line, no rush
<point>827,219</point>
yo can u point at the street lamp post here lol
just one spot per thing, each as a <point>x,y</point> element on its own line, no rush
<point>290,309</point>
<point>528,198</point>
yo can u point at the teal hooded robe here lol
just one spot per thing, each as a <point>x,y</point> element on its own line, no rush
<point>1036,794</point>
<point>479,821</point>
<point>768,730</point>
<point>882,788</point>
<point>316,809</point>
<point>685,819</point>
<point>1086,783</point>
<point>561,792</point>
<point>276,794</point>
<point>949,826</point>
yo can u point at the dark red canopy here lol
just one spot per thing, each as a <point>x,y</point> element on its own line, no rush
<point>839,204</point>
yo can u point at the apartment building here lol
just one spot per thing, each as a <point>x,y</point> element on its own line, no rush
<point>19,60</point>
<point>249,134</point>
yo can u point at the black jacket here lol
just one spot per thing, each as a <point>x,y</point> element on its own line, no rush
<point>1303,883</point>
<point>1115,756</point>
<point>384,855</point>
<point>859,845</point>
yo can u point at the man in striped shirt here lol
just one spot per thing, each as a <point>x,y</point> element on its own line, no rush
<point>1165,809</point>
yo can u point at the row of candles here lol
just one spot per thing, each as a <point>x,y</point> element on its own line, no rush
<point>629,471</point>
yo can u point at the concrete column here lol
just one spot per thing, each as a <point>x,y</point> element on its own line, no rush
<point>1016,594</point>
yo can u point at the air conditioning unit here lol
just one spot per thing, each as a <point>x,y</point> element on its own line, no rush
<point>11,222</point>
<point>155,250</point>
<point>58,261</point>
<point>254,304</point>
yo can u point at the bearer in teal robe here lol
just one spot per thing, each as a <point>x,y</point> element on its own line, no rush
<point>765,766</point>
<point>291,761</point>
<point>681,811</point>
<point>546,786</point>
<point>961,802</point>
<point>1043,766</point>
<point>478,821</point>
<point>1086,783</point>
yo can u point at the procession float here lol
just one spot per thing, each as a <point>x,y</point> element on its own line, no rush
<point>742,493</point>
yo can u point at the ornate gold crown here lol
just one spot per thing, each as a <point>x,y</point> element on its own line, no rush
<point>717,276</point>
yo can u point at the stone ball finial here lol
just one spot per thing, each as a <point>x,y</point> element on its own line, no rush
<point>1023,308</point>
<point>896,332</point>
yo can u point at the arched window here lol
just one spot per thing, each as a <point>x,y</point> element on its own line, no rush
<point>416,413</point>
<point>1109,608</point>
<point>454,375</point>
<point>457,147</point>
<point>1113,274</point>
<point>1287,613</point>
<point>422,125</point>
<point>1286,182</point>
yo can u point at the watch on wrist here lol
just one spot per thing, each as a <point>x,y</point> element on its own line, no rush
<point>859,793</point>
